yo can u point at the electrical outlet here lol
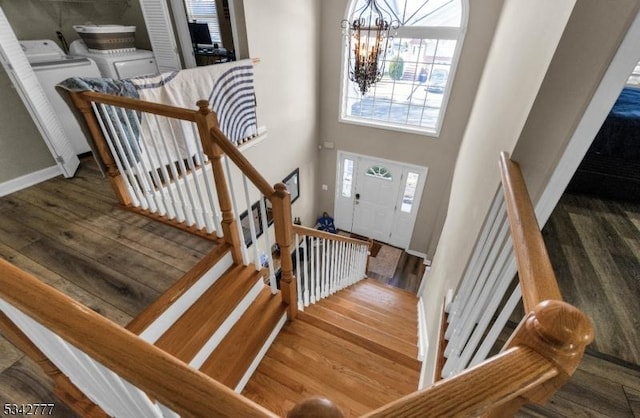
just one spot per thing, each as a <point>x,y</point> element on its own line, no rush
<point>325,187</point>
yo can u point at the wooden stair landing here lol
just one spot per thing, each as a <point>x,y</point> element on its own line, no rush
<point>357,348</point>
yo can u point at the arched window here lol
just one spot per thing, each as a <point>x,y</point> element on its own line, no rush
<point>419,67</point>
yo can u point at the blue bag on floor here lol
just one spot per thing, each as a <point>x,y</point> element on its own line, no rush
<point>325,223</point>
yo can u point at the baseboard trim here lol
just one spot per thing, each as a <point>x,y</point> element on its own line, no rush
<point>418,254</point>
<point>29,180</point>
<point>423,337</point>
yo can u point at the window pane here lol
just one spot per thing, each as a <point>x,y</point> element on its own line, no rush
<point>422,12</point>
<point>347,177</point>
<point>411,90</point>
<point>204,11</point>
<point>409,192</point>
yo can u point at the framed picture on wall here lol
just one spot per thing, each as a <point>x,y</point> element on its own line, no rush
<point>257,222</point>
<point>269,209</point>
<point>292,181</point>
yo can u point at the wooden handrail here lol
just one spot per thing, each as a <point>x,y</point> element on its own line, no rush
<point>537,279</point>
<point>242,163</point>
<point>139,105</point>
<point>303,230</point>
<point>142,364</point>
<point>476,390</point>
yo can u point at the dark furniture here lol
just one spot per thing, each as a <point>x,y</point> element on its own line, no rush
<point>611,167</point>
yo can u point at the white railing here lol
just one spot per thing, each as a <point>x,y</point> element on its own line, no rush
<point>470,332</point>
<point>163,165</point>
<point>113,394</point>
<point>326,263</point>
<point>254,222</point>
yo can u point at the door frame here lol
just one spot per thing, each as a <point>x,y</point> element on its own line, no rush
<point>423,171</point>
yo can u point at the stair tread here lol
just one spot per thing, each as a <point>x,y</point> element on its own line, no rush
<point>374,340</point>
<point>307,361</point>
<point>155,309</point>
<point>393,377</point>
<point>369,307</point>
<point>388,287</point>
<point>230,360</point>
<point>194,328</point>
<point>395,326</point>
<point>383,292</point>
<point>380,300</point>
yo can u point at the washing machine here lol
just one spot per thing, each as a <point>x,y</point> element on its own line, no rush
<point>117,64</point>
<point>51,66</point>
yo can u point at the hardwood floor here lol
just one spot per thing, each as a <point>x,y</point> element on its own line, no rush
<point>71,234</point>
<point>407,275</point>
<point>594,246</point>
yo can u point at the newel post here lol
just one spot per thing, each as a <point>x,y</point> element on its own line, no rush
<point>206,121</point>
<point>117,182</point>
<point>283,226</point>
<point>559,332</point>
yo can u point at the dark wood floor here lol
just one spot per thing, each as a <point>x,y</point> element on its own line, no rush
<point>594,246</point>
<point>408,273</point>
<point>71,234</point>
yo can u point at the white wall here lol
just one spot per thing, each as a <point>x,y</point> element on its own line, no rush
<point>284,35</point>
<point>525,41</point>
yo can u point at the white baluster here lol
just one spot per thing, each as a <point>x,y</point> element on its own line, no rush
<point>234,203</point>
<point>479,256</point>
<point>267,239</point>
<point>208,181</point>
<point>498,324</point>
<point>184,177</point>
<point>307,270</point>
<point>252,225</point>
<point>116,151</point>
<point>152,187</point>
<point>296,249</point>
<point>472,316</point>
<point>497,242</point>
<point>184,194</point>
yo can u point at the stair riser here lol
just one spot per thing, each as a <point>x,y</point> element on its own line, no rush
<point>224,328</point>
<point>180,306</point>
<point>256,361</point>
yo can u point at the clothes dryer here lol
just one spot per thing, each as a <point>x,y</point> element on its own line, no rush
<point>52,66</point>
<point>118,64</point>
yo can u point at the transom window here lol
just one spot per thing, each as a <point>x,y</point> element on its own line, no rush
<point>419,67</point>
<point>379,172</point>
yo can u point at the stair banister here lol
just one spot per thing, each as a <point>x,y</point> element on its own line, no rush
<point>566,330</point>
<point>342,263</point>
<point>207,121</point>
<point>280,200</point>
<point>536,274</point>
<point>183,389</point>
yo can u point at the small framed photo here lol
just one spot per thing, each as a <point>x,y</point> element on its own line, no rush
<point>257,221</point>
<point>292,181</point>
<point>269,208</point>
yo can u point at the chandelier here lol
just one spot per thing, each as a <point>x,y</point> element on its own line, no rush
<point>368,35</point>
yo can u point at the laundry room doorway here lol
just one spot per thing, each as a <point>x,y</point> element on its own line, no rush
<point>378,198</point>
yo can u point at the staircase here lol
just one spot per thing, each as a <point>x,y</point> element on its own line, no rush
<point>357,347</point>
<point>221,322</point>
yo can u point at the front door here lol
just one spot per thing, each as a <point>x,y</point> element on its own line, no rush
<point>377,198</point>
<point>376,192</point>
